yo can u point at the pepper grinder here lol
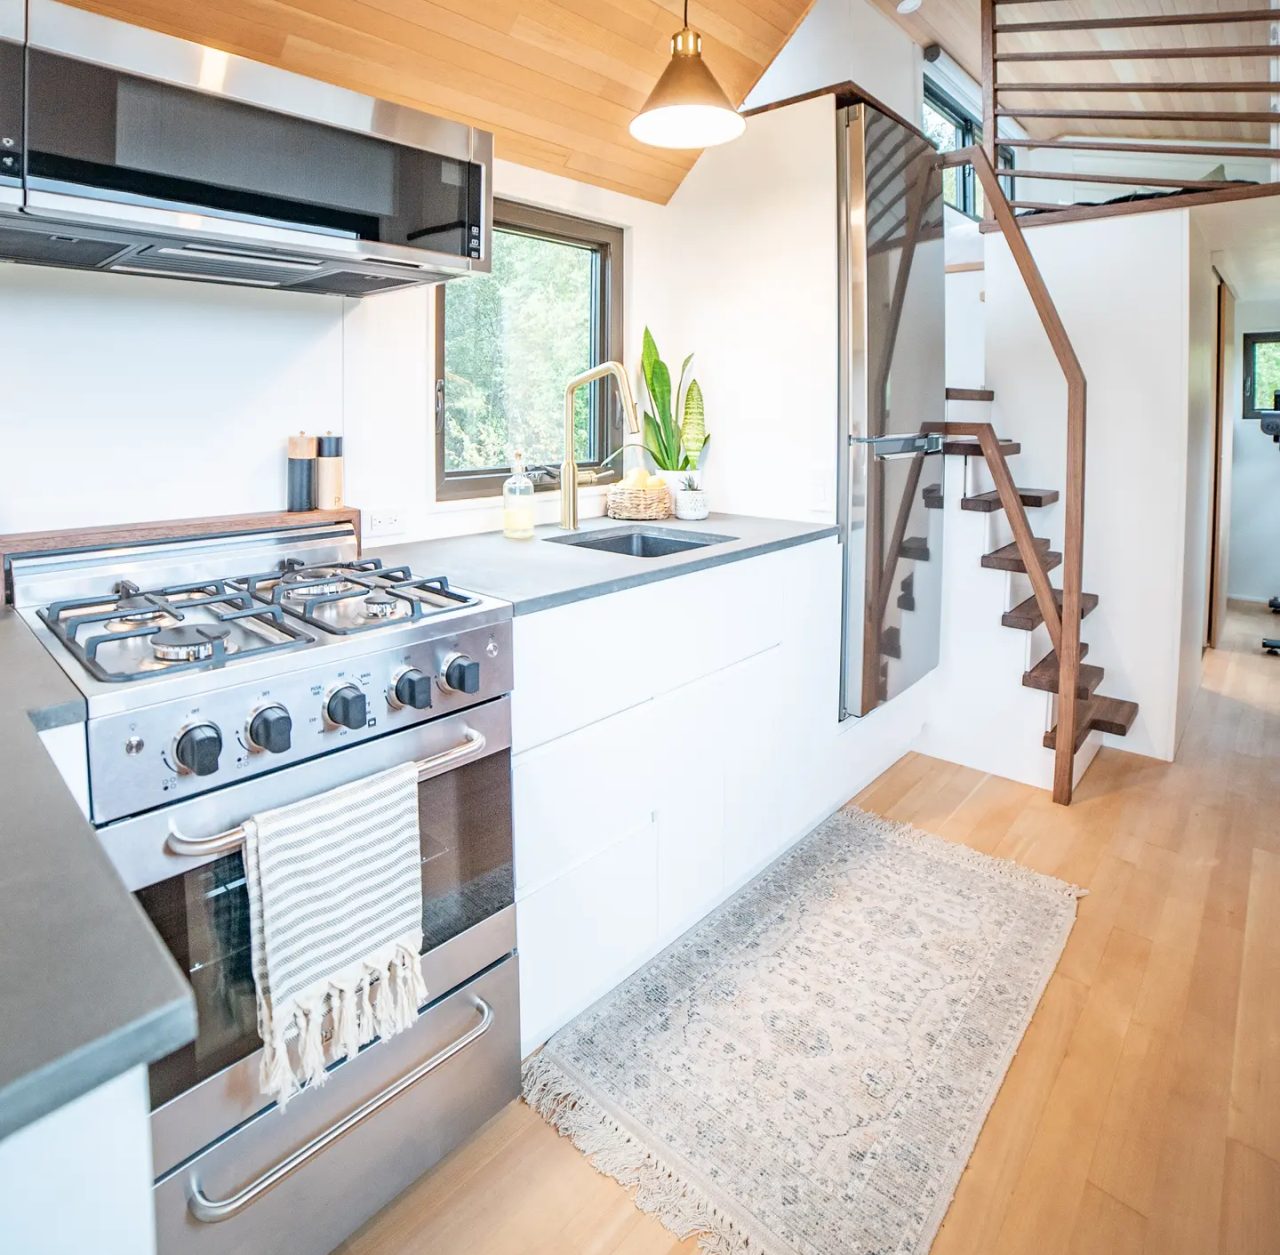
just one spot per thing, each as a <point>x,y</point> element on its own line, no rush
<point>300,485</point>
<point>329,472</point>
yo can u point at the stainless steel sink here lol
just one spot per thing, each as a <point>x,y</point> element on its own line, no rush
<point>640,542</point>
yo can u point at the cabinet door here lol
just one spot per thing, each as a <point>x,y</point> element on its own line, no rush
<point>687,782</point>
<point>576,795</point>
<point>585,932</point>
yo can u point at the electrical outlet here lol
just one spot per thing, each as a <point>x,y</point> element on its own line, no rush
<point>383,523</point>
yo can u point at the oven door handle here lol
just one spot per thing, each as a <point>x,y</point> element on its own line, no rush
<point>211,1211</point>
<point>472,744</point>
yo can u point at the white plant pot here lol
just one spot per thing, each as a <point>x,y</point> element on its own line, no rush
<point>674,481</point>
<point>691,503</point>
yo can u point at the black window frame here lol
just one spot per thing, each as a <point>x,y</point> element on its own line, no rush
<point>1251,341</point>
<point>607,244</point>
<point>970,129</point>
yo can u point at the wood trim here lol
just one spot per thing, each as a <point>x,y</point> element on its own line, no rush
<point>990,126</point>
<point>1268,87</point>
<point>68,540</point>
<point>1079,213</point>
<point>1175,149</point>
<point>1146,115</point>
<point>846,93</point>
<point>1145,54</point>
<point>971,394</point>
<point>963,268</point>
<point>1066,176</point>
<point>1222,17</point>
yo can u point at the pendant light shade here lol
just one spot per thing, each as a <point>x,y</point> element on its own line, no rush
<point>687,108</point>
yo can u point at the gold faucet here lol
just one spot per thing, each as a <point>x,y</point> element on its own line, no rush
<point>569,473</point>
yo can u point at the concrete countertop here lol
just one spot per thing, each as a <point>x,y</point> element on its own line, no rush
<point>87,989</point>
<point>535,575</point>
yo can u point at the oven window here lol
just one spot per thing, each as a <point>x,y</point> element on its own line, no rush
<point>96,131</point>
<point>465,820</point>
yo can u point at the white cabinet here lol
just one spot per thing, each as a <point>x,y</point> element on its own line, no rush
<point>664,753</point>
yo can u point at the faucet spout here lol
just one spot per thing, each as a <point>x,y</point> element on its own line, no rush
<point>569,473</point>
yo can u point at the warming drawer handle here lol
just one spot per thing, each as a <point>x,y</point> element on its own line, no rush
<point>211,1211</point>
<point>472,744</point>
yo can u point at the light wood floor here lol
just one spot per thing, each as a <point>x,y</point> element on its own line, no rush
<point>1142,1113</point>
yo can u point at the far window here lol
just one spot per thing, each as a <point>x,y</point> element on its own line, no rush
<point>1261,373</point>
<point>950,126</point>
<point>508,342</point>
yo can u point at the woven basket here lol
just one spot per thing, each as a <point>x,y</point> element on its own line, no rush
<point>649,504</point>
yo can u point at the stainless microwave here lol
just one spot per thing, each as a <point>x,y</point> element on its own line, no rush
<point>127,150</point>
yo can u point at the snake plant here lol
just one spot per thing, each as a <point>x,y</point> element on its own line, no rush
<point>673,446</point>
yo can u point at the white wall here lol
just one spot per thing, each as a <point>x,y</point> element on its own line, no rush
<point>129,398</point>
<point>1202,346</point>
<point>1127,314</point>
<point>753,232</point>
<point>1254,550</point>
<point>846,40</point>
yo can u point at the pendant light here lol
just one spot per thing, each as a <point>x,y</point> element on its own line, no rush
<point>687,108</point>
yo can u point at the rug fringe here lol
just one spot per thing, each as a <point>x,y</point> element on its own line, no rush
<point>992,864</point>
<point>677,1203</point>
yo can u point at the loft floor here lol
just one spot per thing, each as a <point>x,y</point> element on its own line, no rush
<point>1142,1113</point>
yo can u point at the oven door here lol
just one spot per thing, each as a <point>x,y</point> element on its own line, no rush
<point>198,902</point>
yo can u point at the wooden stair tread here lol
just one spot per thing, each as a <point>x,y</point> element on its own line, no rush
<point>933,497</point>
<point>1044,675</point>
<point>970,394</point>
<point>1113,714</point>
<point>1027,617</point>
<point>989,502</point>
<point>916,548</point>
<point>967,446</point>
<point>1102,714</point>
<point>1007,558</point>
<point>891,643</point>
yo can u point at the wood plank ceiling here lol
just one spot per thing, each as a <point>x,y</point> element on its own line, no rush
<point>557,81</point>
<point>955,24</point>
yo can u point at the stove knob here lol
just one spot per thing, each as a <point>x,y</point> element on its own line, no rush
<point>412,689</point>
<point>461,674</point>
<point>347,708</point>
<point>271,730</point>
<point>198,750</point>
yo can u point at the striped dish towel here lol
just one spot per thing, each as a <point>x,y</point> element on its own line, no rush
<point>335,904</point>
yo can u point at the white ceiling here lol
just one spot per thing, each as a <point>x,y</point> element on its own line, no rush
<point>1244,235</point>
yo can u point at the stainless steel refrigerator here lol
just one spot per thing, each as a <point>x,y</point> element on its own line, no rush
<point>892,405</point>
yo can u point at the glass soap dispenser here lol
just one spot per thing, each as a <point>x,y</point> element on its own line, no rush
<point>517,502</point>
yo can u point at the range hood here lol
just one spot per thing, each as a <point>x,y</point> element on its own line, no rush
<point>125,150</point>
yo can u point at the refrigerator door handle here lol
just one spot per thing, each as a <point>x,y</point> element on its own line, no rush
<point>889,447</point>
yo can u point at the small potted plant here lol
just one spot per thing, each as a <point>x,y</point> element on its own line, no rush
<point>691,501</point>
<point>676,448</point>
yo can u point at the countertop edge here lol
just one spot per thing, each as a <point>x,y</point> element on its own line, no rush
<point>713,556</point>
<point>61,1081</point>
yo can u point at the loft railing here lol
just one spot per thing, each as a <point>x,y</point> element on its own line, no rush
<point>1001,89</point>
<point>1064,627</point>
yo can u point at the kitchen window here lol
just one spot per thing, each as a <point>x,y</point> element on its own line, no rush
<point>1261,373</point>
<point>950,127</point>
<point>508,342</point>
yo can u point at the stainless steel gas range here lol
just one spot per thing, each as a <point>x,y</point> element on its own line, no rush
<point>227,675</point>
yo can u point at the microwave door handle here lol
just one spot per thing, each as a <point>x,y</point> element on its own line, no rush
<point>471,746</point>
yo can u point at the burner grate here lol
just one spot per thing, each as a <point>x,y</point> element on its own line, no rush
<point>217,605</point>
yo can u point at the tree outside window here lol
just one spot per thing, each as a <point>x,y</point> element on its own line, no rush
<point>1261,373</point>
<point>508,342</point>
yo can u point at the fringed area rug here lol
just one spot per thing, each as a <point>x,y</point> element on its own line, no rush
<point>806,1071</point>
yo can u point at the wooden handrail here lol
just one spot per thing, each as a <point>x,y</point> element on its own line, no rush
<point>1068,644</point>
<point>1072,176</point>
